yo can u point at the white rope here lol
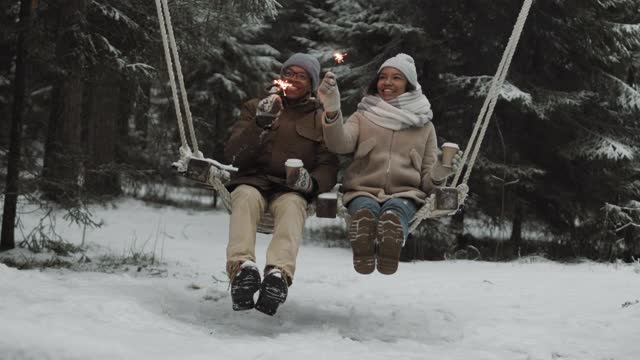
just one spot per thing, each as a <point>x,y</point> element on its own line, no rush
<point>170,47</point>
<point>480,128</point>
<point>223,192</point>
<point>178,67</point>
<point>490,102</point>
<point>172,79</point>
<point>428,209</point>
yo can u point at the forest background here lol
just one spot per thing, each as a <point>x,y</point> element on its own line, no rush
<point>84,97</point>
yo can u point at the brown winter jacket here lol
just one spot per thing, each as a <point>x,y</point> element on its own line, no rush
<point>260,154</point>
<point>386,163</point>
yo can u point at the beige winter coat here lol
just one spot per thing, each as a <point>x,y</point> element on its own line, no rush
<point>386,163</point>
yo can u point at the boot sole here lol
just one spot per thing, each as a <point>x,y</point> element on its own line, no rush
<point>243,289</point>
<point>272,294</point>
<point>390,234</point>
<point>362,236</point>
<point>268,305</point>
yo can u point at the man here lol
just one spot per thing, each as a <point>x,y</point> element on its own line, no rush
<point>269,132</point>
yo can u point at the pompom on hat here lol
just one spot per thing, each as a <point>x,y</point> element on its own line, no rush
<point>406,65</point>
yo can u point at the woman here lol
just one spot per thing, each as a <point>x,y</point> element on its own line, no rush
<point>395,163</point>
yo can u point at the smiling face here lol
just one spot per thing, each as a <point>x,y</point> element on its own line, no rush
<point>391,83</point>
<point>300,82</point>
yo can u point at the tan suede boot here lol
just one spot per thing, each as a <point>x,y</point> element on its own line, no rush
<point>362,236</point>
<point>390,239</point>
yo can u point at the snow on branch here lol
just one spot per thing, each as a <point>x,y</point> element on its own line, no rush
<point>479,86</point>
<point>626,96</point>
<point>548,101</point>
<point>597,147</point>
<point>114,14</point>
<point>622,217</point>
<point>626,226</point>
<point>229,85</point>
<point>143,69</point>
<point>106,44</point>
<point>613,4</point>
<point>267,7</point>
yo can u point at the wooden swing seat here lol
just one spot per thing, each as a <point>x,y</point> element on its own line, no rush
<point>445,200</point>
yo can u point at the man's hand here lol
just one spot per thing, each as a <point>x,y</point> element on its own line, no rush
<point>268,110</point>
<point>328,94</point>
<point>304,183</point>
<point>223,175</point>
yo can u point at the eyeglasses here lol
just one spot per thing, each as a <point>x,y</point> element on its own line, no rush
<point>290,74</point>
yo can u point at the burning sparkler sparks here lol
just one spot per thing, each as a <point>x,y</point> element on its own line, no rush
<point>282,85</point>
<point>339,57</point>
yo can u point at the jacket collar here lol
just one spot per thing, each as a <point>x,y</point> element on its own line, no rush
<point>309,104</point>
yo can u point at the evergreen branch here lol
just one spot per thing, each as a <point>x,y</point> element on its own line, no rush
<point>621,207</point>
<point>626,226</point>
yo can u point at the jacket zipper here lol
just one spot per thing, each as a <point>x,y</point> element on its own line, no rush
<point>386,185</point>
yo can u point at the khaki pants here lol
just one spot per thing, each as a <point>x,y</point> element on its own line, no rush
<point>289,214</point>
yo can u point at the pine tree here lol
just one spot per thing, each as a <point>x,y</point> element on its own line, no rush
<point>7,239</point>
<point>8,14</point>
<point>63,157</point>
<point>368,33</point>
<point>224,64</point>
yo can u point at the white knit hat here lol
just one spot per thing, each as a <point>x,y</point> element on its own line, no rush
<point>406,65</point>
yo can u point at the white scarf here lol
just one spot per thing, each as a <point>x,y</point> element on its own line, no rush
<point>411,109</point>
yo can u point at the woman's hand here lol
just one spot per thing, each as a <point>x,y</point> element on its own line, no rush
<point>329,95</point>
<point>439,172</point>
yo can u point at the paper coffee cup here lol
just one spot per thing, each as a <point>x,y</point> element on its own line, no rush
<point>449,150</point>
<point>327,205</point>
<point>292,167</point>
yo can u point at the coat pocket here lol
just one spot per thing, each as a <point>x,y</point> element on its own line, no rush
<point>364,148</point>
<point>313,134</point>
<point>416,159</point>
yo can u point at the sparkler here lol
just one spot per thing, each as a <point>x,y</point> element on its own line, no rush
<point>282,85</point>
<point>339,57</point>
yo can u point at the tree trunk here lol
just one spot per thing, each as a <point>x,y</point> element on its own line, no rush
<point>103,117</point>
<point>63,151</point>
<point>516,230</point>
<point>7,241</point>
<point>141,112</point>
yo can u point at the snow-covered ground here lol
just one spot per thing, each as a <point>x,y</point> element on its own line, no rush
<point>428,310</point>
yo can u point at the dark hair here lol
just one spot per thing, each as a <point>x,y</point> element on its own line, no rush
<point>372,88</point>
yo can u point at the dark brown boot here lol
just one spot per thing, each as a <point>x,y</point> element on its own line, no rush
<point>362,236</point>
<point>245,281</point>
<point>273,291</point>
<point>390,239</point>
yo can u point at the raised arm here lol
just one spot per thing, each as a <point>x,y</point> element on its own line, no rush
<point>340,138</point>
<point>251,131</point>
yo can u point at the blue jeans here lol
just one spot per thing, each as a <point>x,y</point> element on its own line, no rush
<point>404,208</point>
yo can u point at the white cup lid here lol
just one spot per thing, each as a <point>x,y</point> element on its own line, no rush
<point>293,163</point>
<point>450,144</point>
<point>330,195</point>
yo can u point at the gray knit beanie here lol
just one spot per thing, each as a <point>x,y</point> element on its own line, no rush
<point>308,63</point>
<point>406,65</point>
